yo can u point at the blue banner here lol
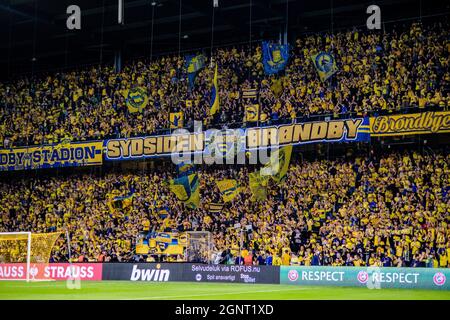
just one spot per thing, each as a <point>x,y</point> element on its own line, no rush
<point>70,154</point>
<point>230,142</point>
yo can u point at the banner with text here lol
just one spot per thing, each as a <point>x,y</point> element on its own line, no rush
<point>370,277</point>
<point>167,272</point>
<point>224,142</point>
<point>52,156</point>
<point>406,124</point>
<point>152,272</point>
<point>232,273</point>
<point>51,271</point>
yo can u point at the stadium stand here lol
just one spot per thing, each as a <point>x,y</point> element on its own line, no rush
<point>389,210</point>
<point>400,71</point>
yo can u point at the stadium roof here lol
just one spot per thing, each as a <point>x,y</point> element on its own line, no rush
<point>35,38</point>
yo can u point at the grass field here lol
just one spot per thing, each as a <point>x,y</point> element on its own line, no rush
<point>203,291</point>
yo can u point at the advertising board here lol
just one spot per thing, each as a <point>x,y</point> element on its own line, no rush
<point>51,271</point>
<point>371,277</point>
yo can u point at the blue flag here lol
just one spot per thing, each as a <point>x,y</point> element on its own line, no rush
<point>186,188</point>
<point>185,169</point>
<point>163,212</point>
<point>275,57</point>
<point>194,63</point>
<point>325,65</point>
<point>364,131</point>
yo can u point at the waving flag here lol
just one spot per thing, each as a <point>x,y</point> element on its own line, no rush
<point>186,188</point>
<point>137,99</point>
<point>229,188</point>
<point>325,65</point>
<point>163,211</point>
<point>278,165</point>
<point>194,63</point>
<point>275,57</point>
<point>258,186</point>
<point>120,202</point>
<point>185,169</point>
<point>214,95</point>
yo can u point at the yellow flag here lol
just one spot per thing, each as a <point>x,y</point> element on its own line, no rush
<point>258,186</point>
<point>214,95</point>
<point>252,112</point>
<point>325,65</point>
<point>229,188</point>
<point>216,207</point>
<point>186,188</point>
<point>176,119</point>
<point>276,87</point>
<point>278,165</point>
<point>137,99</point>
<point>194,200</point>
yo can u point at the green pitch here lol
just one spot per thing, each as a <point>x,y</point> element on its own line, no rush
<point>187,291</point>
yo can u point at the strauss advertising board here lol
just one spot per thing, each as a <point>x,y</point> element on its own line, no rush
<point>51,271</point>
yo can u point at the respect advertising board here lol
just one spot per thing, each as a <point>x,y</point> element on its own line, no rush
<point>232,273</point>
<point>370,277</point>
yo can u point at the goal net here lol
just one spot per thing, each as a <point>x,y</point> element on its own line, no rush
<point>199,247</point>
<point>24,255</point>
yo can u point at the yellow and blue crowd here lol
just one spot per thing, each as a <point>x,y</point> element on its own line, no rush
<point>397,70</point>
<point>390,209</point>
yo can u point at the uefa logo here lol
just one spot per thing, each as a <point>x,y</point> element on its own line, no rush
<point>292,275</point>
<point>34,271</point>
<point>439,279</point>
<point>363,277</point>
<point>198,277</point>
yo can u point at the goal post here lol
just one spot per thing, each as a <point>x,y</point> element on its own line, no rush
<point>19,250</point>
<point>11,249</point>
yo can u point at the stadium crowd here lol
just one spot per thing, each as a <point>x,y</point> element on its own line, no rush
<point>377,210</point>
<point>384,210</point>
<point>377,72</point>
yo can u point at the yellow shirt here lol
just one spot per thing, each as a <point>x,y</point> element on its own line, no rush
<point>358,263</point>
<point>286,259</point>
<point>276,261</point>
<point>443,261</point>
